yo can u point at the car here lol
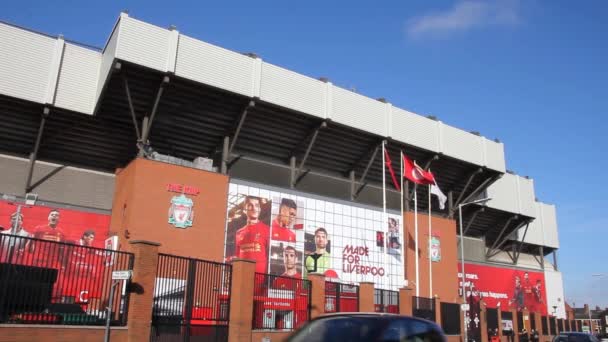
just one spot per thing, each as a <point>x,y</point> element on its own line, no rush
<point>358,327</point>
<point>575,337</point>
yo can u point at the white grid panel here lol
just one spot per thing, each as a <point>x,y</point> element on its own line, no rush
<point>143,43</point>
<point>358,111</point>
<point>460,144</point>
<point>414,129</point>
<point>494,155</point>
<point>527,199</point>
<point>78,79</point>
<point>218,67</point>
<point>25,63</point>
<point>349,228</point>
<point>504,194</point>
<point>292,90</point>
<point>550,225</point>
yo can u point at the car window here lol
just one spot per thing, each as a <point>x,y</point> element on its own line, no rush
<point>335,329</point>
<point>409,330</point>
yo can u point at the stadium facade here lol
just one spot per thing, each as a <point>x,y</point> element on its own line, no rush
<point>120,132</point>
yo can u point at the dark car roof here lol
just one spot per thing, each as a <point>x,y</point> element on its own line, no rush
<point>375,315</point>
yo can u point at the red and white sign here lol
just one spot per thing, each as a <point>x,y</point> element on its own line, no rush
<point>505,288</point>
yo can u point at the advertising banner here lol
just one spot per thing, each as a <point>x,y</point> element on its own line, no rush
<point>53,224</point>
<point>292,235</point>
<point>505,288</point>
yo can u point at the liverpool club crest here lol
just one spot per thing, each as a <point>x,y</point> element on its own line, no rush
<point>181,212</point>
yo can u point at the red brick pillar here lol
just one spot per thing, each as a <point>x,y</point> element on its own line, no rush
<point>500,325</point>
<point>140,302</point>
<point>241,300</point>
<point>405,301</point>
<point>516,327</point>
<point>317,300</point>
<point>366,297</point>
<point>538,318</point>
<point>437,308</point>
<point>483,324</point>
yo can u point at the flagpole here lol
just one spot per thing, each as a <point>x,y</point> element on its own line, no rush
<point>416,241</point>
<point>384,217</point>
<point>430,244</point>
<point>403,216</point>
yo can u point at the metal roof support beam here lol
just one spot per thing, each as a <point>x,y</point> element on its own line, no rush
<point>466,186</point>
<point>239,125</point>
<point>498,241</point>
<point>540,258</point>
<point>472,219</point>
<point>225,155</point>
<point>362,157</point>
<point>367,167</point>
<point>147,123</point>
<point>474,193</point>
<point>451,208</point>
<point>131,109</point>
<point>34,154</point>
<point>353,184</point>
<point>511,257</point>
<point>521,244</point>
<point>298,173</point>
<point>555,260</point>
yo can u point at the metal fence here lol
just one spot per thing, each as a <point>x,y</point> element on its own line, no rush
<point>544,325</point>
<point>386,301</point>
<point>520,321</point>
<point>191,300</point>
<point>341,297</point>
<point>532,321</point>
<point>48,282</point>
<point>450,318</point>
<point>567,325</point>
<point>560,325</point>
<point>492,317</point>
<point>423,307</point>
<point>552,326</point>
<point>507,316</point>
<point>280,303</point>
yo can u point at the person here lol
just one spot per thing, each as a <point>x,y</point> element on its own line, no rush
<point>324,260</point>
<point>538,294</point>
<point>50,231</point>
<point>283,222</point>
<point>518,295</point>
<point>252,240</point>
<point>17,242</point>
<point>527,292</point>
<point>48,255</point>
<point>534,335</point>
<point>290,260</point>
<point>83,271</point>
<point>393,234</point>
<point>523,336</point>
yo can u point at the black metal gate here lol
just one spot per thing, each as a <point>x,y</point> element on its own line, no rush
<point>423,308</point>
<point>386,301</point>
<point>191,300</point>
<point>450,318</point>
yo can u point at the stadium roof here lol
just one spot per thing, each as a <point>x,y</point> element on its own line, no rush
<point>71,104</point>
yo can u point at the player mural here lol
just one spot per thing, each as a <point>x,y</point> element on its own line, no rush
<point>506,288</point>
<point>292,235</point>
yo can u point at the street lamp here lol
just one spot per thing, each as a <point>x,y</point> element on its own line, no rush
<point>464,297</point>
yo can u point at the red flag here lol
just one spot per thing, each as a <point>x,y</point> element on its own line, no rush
<point>388,163</point>
<point>415,173</point>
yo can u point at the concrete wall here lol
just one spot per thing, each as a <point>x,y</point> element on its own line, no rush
<point>70,186</point>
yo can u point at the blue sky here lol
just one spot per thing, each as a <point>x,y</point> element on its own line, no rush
<point>530,73</point>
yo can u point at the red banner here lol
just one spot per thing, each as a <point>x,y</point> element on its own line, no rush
<point>67,225</point>
<point>505,288</point>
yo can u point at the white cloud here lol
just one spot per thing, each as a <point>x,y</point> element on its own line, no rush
<point>465,15</point>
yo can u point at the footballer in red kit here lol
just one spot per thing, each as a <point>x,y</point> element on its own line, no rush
<point>46,254</point>
<point>252,240</point>
<point>281,225</point>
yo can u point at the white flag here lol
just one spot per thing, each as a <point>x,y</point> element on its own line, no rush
<point>440,195</point>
